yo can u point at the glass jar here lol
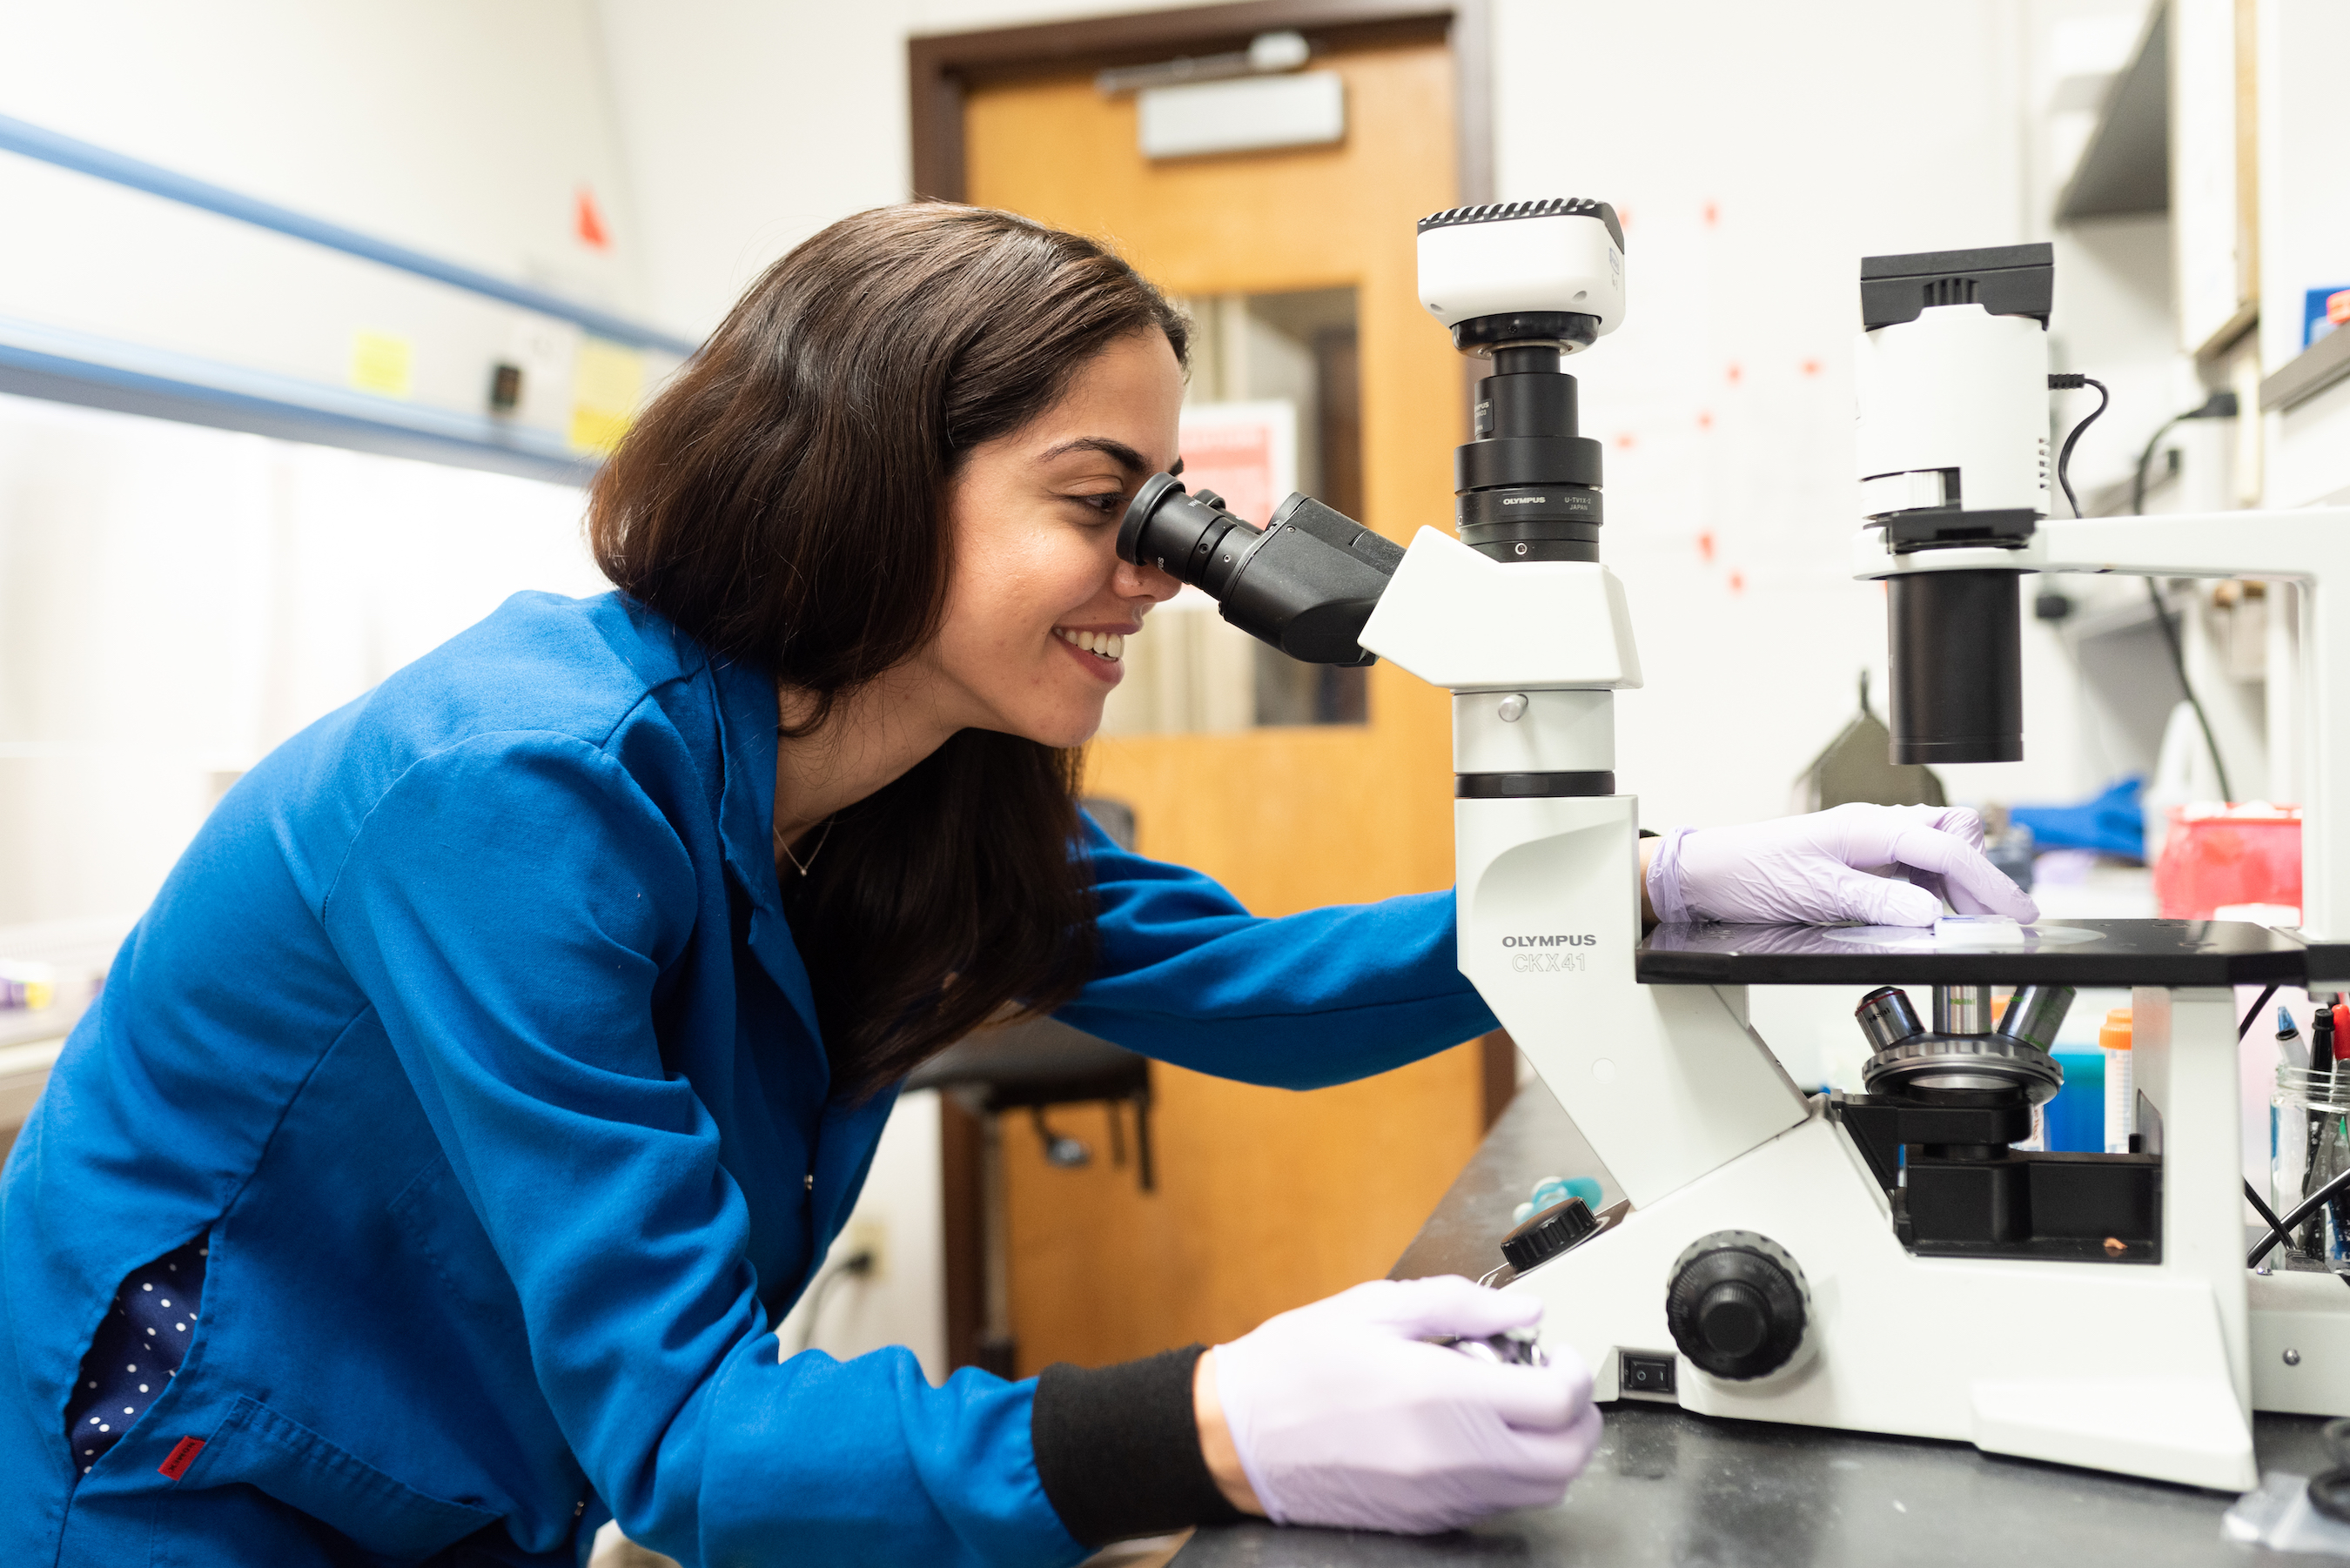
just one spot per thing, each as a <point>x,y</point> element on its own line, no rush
<point>2309,1145</point>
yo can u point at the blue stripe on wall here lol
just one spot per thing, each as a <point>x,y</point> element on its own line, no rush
<point>86,158</point>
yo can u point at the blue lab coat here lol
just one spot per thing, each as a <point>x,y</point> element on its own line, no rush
<point>470,1030</point>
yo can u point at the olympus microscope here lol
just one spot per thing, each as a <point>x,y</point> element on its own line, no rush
<point>1884,1261</point>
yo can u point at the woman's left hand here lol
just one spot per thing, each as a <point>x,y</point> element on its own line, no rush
<point>1828,866</point>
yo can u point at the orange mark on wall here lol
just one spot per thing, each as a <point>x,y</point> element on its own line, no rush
<point>1705,547</point>
<point>1713,213</point>
<point>1737,582</point>
<point>588,222</point>
<point>1705,419</point>
<point>1735,373</point>
<point>1626,441</point>
<point>1811,367</point>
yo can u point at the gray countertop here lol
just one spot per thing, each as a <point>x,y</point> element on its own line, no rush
<point>1668,1487</point>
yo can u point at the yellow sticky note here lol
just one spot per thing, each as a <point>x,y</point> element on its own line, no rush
<point>606,382</point>
<point>382,363</point>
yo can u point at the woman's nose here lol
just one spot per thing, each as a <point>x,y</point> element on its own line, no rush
<point>1134,582</point>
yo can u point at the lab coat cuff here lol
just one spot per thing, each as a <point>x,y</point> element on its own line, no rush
<point>1118,1449</point>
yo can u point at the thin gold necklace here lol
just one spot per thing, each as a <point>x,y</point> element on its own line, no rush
<point>798,864</point>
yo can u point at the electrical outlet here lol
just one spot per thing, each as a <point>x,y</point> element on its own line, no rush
<point>868,1235</point>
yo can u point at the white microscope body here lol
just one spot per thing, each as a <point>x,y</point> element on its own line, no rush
<point>2149,1367</point>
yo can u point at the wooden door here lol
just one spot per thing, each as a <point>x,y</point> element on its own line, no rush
<point>1266,1198</point>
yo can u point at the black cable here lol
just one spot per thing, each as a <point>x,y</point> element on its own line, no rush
<point>2301,1211</point>
<point>2253,1017</point>
<point>2145,456</point>
<point>2252,1194</point>
<point>2066,382</point>
<point>2219,405</point>
<point>2178,668</point>
<point>2267,1214</point>
<point>2276,1227</point>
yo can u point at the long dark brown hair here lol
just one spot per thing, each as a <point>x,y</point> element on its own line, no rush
<point>784,502</point>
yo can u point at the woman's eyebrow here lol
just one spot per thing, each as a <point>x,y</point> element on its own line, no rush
<point>1125,456</point>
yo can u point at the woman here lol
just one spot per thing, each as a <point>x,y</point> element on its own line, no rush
<point>488,1077</point>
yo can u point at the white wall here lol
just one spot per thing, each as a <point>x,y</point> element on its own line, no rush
<point>2304,222</point>
<point>464,130</point>
<point>1758,163</point>
<point>751,124</point>
<point>478,134</point>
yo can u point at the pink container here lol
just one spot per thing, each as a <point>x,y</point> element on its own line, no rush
<point>2216,856</point>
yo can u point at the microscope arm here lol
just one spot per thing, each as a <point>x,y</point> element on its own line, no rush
<point>2308,548</point>
<point>1666,1082</point>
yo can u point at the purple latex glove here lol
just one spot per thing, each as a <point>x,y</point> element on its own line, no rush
<point>1815,870</point>
<point>1344,1416</point>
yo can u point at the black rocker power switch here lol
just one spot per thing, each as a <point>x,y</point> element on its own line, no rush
<point>1644,1373</point>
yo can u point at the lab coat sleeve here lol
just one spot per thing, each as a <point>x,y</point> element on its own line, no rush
<point>509,907</point>
<point>1186,975</point>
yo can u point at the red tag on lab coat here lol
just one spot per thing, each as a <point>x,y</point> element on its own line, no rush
<point>184,1454</point>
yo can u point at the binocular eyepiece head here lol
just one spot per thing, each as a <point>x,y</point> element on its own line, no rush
<point>1305,582</point>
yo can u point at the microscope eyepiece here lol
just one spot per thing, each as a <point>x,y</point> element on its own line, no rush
<point>1185,535</point>
<point>1305,582</point>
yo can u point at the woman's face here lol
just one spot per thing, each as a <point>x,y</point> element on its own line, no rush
<point>1038,604</point>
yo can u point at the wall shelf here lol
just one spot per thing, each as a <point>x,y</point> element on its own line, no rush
<point>2308,373</point>
<point>2125,167</point>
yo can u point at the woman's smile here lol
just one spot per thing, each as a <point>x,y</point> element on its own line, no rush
<point>1099,650</point>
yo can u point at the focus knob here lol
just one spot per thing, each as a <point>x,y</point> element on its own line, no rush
<point>1546,1235</point>
<point>1738,1304</point>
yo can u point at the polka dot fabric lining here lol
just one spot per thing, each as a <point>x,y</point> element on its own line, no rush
<point>137,1350</point>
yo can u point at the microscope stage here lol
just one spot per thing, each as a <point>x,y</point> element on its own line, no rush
<point>2059,952</point>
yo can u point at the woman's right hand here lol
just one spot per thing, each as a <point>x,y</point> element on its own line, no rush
<point>1342,1414</point>
<point>1828,866</point>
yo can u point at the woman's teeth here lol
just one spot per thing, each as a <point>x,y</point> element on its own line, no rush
<point>1108,645</point>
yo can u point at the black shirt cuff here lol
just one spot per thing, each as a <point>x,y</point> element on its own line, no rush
<point>1118,1449</point>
